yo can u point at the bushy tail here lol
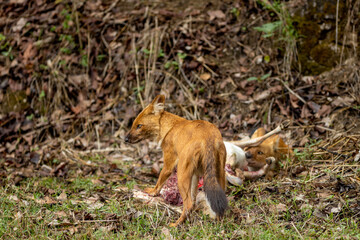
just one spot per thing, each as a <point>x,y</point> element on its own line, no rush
<point>213,191</point>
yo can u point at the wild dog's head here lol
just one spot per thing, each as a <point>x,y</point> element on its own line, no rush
<point>147,123</point>
<point>256,156</point>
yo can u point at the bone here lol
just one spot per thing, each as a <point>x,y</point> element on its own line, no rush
<point>234,180</point>
<point>253,175</point>
<point>256,141</point>
<point>238,180</point>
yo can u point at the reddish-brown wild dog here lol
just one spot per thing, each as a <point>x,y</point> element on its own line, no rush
<point>194,146</point>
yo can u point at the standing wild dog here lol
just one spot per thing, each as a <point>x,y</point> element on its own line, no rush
<point>195,147</point>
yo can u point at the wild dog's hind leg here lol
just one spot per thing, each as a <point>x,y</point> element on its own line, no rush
<point>221,159</point>
<point>194,186</point>
<point>185,174</point>
<point>169,165</point>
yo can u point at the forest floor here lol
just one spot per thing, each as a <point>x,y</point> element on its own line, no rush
<point>75,74</point>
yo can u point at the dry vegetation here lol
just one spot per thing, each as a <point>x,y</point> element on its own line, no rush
<point>74,74</point>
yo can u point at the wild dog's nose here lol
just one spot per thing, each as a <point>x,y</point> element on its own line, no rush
<point>248,155</point>
<point>127,138</point>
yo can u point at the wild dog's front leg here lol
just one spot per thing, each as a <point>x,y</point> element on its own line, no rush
<point>169,165</point>
<point>272,162</point>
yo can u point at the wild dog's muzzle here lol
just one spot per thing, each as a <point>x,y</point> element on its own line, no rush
<point>248,155</point>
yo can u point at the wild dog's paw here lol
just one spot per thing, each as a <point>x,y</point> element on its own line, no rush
<point>240,174</point>
<point>270,160</point>
<point>150,191</point>
<point>173,225</point>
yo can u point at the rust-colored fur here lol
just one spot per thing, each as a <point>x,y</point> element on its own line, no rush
<point>195,147</point>
<point>274,146</point>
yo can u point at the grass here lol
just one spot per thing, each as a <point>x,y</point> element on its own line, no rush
<point>120,216</point>
<point>92,208</point>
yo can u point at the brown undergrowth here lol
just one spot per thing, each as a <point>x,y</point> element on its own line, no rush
<point>74,75</point>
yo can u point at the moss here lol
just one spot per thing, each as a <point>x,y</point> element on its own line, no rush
<point>315,52</point>
<point>14,102</point>
<point>310,67</point>
<point>324,55</point>
<point>309,31</point>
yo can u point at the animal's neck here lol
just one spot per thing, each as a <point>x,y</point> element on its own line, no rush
<point>167,122</point>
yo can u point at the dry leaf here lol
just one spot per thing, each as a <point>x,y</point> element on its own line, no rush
<point>324,111</point>
<point>19,25</point>
<point>280,207</point>
<point>241,96</point>
<point>357,157</point>
<point>46,200</point>
<point>13,198</point>
<point>315,107</point>
<point>97,181</point>
<point>261,96</point>
<point>216,14</point>
<point>294,101</point>
<point>305,112</point>
<point>166,234</point>
<point>18,215</point>
<point>60,214</point>
<point>62,196</point>
<point>342,101</point>
<point>324,194</point>
<point>29,52</point>
<point>97,205</point>
<point>205,76</point>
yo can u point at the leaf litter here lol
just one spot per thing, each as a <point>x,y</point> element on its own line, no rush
<point>75,82</point>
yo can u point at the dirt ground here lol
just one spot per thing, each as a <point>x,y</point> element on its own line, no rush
<point>74,75</point>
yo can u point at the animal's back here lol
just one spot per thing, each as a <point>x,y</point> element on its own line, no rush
<point>196,132</point>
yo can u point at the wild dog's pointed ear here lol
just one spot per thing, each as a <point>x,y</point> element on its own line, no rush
<point>276,144</point>
<point>158,104</point>
<point>258,133</point>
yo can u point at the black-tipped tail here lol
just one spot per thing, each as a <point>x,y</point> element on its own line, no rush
<point>217,199</point>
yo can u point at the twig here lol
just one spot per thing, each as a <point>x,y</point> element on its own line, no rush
<point>334,165</point>
<point>102,150</point>
<point>292,223</point>
<point>291,91</point>
<point>335,153</point>
<point>111,6</point>
<point>210,70</point>
<point>269,113</point>
<point>97,135</point>
<point>68,154</point>
<point>137,72</point>
<point>100,220</point>
<point>336,26</point>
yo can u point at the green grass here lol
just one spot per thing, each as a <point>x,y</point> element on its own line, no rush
<point>102,207</point>
<point>119,216</point>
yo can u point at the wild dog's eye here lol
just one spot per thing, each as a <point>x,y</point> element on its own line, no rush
<point>260,153</point>
<point>138,126</point>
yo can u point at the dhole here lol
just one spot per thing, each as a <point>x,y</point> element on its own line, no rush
<point>195,147</point>
<point>273,146</point>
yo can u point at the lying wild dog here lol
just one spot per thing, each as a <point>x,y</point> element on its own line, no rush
<point>273,146</point>
<point>196,147</point>
<point>237,168</point>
